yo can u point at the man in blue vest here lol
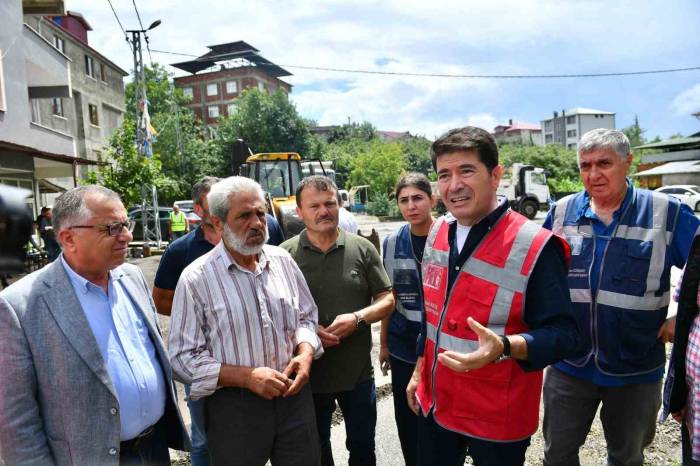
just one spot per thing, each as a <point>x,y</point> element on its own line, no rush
<point>623,241</point>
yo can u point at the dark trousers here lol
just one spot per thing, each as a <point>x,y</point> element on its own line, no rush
<point>687,447</point>
<point>244,429</point>
<point>406,421</point>
<point>149,450</point>
<point>359,407</point>
<point>440,447</point>
<point>628,416</point>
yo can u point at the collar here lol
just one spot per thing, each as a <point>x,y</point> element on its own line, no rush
<point>584,207</point>
<point>230,262</point>
<point>81,283</point>
<point>306,243</point>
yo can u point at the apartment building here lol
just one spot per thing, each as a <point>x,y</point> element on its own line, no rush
<point>97,105</point>
<point>566,129</point>
<point>218,77</point>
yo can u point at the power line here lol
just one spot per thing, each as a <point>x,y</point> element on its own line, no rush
<point>148,48</point>
<point>120,23</point>
<point>473,76</point>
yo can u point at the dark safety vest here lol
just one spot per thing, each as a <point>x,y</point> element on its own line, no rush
<point>621,321</point>
<point>402,267</point>
<point>500,401</point>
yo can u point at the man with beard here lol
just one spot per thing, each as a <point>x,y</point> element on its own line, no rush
<point>243,334</point>
<point>352,290</point>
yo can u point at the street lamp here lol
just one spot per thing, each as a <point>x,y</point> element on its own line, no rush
<point>154,25</point>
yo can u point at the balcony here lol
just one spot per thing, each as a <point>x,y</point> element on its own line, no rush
<point>47,69</point>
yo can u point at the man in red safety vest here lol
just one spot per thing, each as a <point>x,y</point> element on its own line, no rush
<point>497,311</point>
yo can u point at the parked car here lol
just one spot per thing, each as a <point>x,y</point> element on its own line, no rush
<point>686,193</point>
<point>163,218</point>
<point>185,206</point>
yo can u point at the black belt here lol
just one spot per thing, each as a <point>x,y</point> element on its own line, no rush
<point>133,444</point>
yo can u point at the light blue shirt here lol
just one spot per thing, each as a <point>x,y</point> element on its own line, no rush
<point>125,345</point>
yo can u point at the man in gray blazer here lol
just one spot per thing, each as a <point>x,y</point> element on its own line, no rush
<point>84,376</point>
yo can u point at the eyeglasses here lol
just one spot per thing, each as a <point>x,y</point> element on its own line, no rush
<point>113,229</point>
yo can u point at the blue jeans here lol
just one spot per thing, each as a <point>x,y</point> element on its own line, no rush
<point>200,454</point>
<point>441,447</point>
<point>406,421</point>
<point>359,407</point>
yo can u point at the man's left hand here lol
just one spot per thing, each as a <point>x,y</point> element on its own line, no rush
<point>343,326</point>
<point>490,348</point>
<point>300,366</point>
<point>667,330</point>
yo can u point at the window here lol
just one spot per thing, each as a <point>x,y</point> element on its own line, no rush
<point>548,138</point>
<point>188,92</point>
<point>57,106</point>
<point>36,111</point>
<point>213,111</point>
<point>2,85</point>
<point>231,87</point>
<point>59,44</point>
<point>571,146</point>
<point>571,133</point>
<point>212,89</point>
<point>570,120</point>
<point>89,66</point>
<point>548,125</point>
<point>94,120</point>
<point>261,86</point>
<point>231,108</point>
<point>103,72</point>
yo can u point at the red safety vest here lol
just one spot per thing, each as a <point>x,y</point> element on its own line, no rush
<point>500,401</point>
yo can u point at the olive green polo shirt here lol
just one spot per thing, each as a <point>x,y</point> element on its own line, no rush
<point>343,279</point>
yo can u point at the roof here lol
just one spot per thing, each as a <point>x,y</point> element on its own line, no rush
<point>30,151</point>
<point>240,51</point>
<point>392,135</point>
<point>520,125</point>
<point>676,142</point>
<point>79,18</point>
<point>672,168</point>
<point>587,111</point>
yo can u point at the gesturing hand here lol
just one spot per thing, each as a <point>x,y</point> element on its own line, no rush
<point>267,382</point>
<point>490,348</point>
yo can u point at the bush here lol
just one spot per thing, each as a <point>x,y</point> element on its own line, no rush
<point>382,206</point>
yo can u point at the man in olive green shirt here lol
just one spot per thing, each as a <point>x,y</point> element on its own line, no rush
<point>352,290</point>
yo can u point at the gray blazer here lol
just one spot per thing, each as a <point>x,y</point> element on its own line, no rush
<point>58,405</point>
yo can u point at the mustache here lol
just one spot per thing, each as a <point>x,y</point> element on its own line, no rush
<point>324,218</point>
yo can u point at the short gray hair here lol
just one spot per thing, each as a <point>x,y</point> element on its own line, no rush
<point>201,188</point>
<point>603,138</point>
<point>70,208</point>
<point>220,194</point>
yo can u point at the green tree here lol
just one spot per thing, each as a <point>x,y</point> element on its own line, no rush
<point>416,150</point>
<point>266,122</point>
<point>379,166</point>
<point>128,171</point>
<point>559,161</point>
<point>635,133</point>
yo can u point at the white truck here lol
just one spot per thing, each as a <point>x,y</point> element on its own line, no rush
<point>526,189</point>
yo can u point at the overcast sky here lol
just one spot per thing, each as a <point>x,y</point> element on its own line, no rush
<point>444,37</point>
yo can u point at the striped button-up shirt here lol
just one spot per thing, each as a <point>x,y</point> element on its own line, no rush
<point>225,314</point>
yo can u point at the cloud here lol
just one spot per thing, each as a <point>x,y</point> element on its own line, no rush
<point>688,101</point>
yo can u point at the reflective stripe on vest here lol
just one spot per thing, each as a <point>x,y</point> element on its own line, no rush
<point>648,302</point>
<point>391,263</point>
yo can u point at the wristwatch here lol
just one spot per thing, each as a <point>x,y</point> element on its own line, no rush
<point>506,349</point>
<point>360,322</point>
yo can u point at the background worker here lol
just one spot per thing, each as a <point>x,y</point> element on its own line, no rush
<point>178,225</point>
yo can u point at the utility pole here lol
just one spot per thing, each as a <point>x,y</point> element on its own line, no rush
<point>149,195</point>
